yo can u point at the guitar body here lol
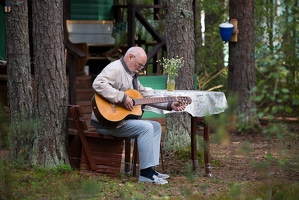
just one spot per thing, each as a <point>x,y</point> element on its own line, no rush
<point>111,114</point>
<point>115,112</point>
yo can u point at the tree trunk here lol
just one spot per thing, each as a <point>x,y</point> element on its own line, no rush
<point>50,79</point>
<point>179,21</point>
<point>241,73</point>
<point>19,81</point>
<point>289,45</point>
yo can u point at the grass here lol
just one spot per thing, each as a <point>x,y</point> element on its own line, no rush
<point>64,183</point>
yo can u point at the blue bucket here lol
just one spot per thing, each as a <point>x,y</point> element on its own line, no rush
<point>226,31</point>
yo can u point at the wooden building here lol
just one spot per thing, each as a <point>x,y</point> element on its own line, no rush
<point>98,32</point>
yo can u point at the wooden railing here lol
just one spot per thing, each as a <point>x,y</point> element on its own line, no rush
<point>73,53</point>
<point>133,12</point>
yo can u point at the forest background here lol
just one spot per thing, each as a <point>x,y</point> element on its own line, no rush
<point>276,65</point>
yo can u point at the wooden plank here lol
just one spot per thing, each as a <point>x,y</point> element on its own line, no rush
<point>105,145</point>
<point>90,31</point>
<point>106,154</point>
<point>73,131</point>
<point>75,113</point>
<point>107,165</point>
<point>89,22</point>
<point>114,162</point>
<point>75,148</point>
<point>100,153</point>
<point>91,9</point>
<point>102,169</point>
<point>79,112</point>
<point>72,127</point>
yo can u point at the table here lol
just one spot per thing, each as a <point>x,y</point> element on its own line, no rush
<point>204,103</point>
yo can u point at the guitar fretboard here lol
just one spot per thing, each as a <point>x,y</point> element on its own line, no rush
<point>154,100</point>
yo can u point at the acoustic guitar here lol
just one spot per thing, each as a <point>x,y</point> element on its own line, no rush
<point>111,114</point>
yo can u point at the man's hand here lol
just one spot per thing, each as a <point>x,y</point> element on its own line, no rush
<point>129,104</point>
<point>177,106</point>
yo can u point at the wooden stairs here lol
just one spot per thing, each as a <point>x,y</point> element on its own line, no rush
<point>84,95</point>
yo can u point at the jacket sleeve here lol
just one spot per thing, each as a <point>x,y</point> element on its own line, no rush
<point>109,84</point>
<point>146,93</point>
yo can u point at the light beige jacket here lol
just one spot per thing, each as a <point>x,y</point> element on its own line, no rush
<point>116,78</point>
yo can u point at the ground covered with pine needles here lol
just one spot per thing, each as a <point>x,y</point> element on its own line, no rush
<point>244,166</point>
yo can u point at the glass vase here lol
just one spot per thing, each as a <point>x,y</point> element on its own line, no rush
<point>170,84</point>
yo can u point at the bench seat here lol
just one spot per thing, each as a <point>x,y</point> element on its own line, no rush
<point>92,151</point>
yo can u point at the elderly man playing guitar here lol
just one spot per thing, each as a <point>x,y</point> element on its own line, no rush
<point>117,110</point>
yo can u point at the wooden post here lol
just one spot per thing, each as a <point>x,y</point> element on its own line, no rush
<point>72,80</point>
<point>131,25</point>
<point>193,144</point>
<point>234,37</point>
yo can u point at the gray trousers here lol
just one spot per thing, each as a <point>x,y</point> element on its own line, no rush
<point>148,135</point>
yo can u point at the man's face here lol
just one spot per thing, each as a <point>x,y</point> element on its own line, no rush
<point>136,64</point>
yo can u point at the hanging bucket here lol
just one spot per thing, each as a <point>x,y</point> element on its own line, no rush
<point>226,31</point>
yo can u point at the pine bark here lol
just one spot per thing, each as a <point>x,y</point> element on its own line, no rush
<point>241,73</point>
<point>51,87</point>
<point>179,32</point>
<point>20,93</point>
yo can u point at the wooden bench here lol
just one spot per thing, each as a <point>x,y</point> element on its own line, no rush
<point>92,37</point>
<point>92,151</point>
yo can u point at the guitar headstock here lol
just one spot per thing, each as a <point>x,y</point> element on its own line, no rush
<point>184,100</point>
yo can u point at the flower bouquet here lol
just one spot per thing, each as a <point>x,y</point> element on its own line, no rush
<point>171,67</point>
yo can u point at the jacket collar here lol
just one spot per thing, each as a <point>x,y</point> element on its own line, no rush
<point>124,65</point>
<point>126,68</point>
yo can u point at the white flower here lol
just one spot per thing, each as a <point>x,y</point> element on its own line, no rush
<point>171,66</point>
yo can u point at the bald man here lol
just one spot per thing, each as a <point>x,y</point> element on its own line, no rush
<point>111,84</point>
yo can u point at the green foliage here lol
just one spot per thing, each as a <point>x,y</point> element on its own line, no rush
<point>277,58</point>
<point>276,55</point>
<point>5,184</point>
<point>184,155</point>
<point>62,169</point>
<point>210,66</point>
<point>245,148</point>
<point>4,126</point>
<point>282,191</point>
<point>273,94</point>
<point>275,191</point>
<point>236,191</point>
<point>223,123</point>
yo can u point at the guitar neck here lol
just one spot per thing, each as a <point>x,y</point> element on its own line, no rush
<point>154,100</point>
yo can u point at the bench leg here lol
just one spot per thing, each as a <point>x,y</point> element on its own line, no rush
<point>207,156</point>
<point>135,158</point>
<point>127,155</point>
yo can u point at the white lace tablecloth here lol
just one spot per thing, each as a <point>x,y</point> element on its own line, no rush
<point>204,103</point>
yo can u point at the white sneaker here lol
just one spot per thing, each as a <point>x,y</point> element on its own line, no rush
<point>160,175</point>
<point>155,180</point>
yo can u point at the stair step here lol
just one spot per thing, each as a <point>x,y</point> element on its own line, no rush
<point>85,90</point>
<point>86,109</point>
<point>84,82</point>
<point>85,106</point>
<point>84,94</point>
